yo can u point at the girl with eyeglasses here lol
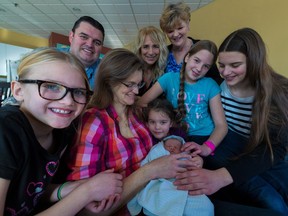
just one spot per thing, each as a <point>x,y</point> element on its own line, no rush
<point>52,91</point>
<point>113,137</point>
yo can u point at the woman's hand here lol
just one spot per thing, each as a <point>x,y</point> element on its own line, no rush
<point>104,185</point>
<point>202,181</point>
<point>105,204</point>
<point>198,161</point>
<point>196,149</point>
<point>169,166</point>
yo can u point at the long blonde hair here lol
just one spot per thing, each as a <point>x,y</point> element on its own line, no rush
<point>158,37</point>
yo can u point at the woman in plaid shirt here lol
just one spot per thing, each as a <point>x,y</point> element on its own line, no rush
<point>112,137</point>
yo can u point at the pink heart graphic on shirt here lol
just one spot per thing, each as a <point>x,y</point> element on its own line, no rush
<point>37,197</point>
<point>23,211</point>
<point>51,168</point>
<point>34,188</point>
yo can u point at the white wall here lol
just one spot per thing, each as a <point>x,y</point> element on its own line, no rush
<point>10,52</point>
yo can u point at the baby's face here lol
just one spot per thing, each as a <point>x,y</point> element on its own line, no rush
<point>173,146</point>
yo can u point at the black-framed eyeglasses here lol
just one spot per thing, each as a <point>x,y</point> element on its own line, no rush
<point>132,85</point>
<point>55,91</point>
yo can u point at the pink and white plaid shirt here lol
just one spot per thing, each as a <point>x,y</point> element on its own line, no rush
<point>102,146</point>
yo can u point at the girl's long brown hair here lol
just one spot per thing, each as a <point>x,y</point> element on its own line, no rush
<point>200,45</point>
<point>116,66</point>
<point>270,104</point>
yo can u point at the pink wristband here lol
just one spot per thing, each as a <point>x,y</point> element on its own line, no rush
<point>210,145</point>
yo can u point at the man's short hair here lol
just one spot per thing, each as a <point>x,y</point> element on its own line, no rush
<point>91,21</point>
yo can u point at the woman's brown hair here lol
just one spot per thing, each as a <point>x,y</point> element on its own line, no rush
<point>116,66</point>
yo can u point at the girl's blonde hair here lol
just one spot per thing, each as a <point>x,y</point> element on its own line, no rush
<point>48,54</point>
<point>157,37</point>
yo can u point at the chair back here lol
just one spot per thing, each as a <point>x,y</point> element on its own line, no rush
<point>5,91</point>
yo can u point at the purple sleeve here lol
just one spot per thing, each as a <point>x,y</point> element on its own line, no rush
<point>178,132</point>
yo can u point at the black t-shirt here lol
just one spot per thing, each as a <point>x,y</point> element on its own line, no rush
<point>24,162</point>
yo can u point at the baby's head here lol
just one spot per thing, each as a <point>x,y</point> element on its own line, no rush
<point>173,144</point>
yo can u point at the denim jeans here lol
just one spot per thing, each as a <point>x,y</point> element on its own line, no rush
<point>268,193</point>
<point>231,146</point>
<point>267,190</point>
<point>223,208</point>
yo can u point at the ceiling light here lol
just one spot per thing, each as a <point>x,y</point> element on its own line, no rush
<point>76,9</point>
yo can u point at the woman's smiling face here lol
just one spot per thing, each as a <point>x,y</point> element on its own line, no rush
<point>179,33</point>
<point>150,51</point>
<point>124,95</point>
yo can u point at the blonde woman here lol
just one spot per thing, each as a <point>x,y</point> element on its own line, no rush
<point>151,47</point>
<point>175,23</point>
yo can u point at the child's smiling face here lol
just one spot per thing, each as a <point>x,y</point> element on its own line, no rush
<point>159,124</point>
<point>49,113</point>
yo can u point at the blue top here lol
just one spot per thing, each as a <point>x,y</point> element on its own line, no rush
<point>172,65</point>
<point>197,96</point>
<point>91,71</point>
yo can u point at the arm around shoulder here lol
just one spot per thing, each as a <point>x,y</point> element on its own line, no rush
<point>154,92</point>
